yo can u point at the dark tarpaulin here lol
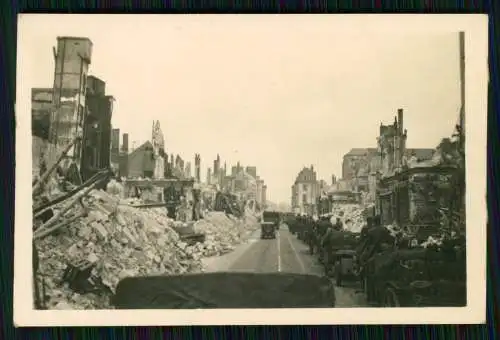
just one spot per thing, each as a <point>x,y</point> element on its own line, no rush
<point>225,290</point>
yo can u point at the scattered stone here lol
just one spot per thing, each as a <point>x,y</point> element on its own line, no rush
<point>125,241</point>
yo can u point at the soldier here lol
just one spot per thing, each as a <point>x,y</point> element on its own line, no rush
<point>378,239</point>
<point>366,227</point>
<point>338,225</point>
<point>309,235</point>
<point>304,225</point>
<point>323,227</point>
<point>331,238</point>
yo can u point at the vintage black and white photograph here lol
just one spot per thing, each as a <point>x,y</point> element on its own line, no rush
<point>246,163</point>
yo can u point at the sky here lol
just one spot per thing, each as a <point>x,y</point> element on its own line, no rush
<point>263,91</point>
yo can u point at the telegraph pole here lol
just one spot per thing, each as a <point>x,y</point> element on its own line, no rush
<point>462,92</point>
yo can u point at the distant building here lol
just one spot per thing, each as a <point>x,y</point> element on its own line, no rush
<point>361,167</point>
<point>263,200</point>
<point>251,170</point>
<point>140,162</point>
<point>392,147</point>
<point>209,176</point>
<point>357,162</point>
<point>158,142</point>
<point>322,185</point>
<point>394,155</point>
<point>197,167</point>
<point>97,128</point>
<point>305,191</point>
<point>260,192</point>
<point>123,156</point>
<point>188,170</point>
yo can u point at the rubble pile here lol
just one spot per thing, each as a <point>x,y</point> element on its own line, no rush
<point>223,231</point>
<point>120,240</point>
<point>123,241</point>
<point>353,216</point>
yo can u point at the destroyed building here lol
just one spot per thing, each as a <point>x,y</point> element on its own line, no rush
<point>41,107</point>
<point>197,167</point>
<point>76,105</point>
<point>72,60</point>
<point>394,154</point>
<point>251,170</point>
<point>97,128</point>
<point>355,159</point>
<point>115,149</point>
<point>140,162</point>
<point>123,156</point>
<point>187,172</point>
<point>158,142</point>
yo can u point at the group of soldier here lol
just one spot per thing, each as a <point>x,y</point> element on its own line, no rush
<point>326,235</point>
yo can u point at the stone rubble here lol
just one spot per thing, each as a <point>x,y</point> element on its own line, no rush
<point>353,216</point>
<point>126,241</point>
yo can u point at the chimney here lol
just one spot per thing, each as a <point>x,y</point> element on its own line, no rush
<point>197,167</point>
<point>125,143</point>
<point>400,121</point>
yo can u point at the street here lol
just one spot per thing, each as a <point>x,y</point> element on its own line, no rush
<point>283,254</point>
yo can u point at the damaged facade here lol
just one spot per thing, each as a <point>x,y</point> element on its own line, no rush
<point>96,148</point>
<point>76,105</point>
<point>72,60</point>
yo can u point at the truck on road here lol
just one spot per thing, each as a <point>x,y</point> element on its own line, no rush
<point>267,230</point>
<point>273,217</point>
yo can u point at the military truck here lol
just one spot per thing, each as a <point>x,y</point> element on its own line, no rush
<point>268,230</point>
<point>273,217</point>
<point>425,266</point>
<point>418,277</point>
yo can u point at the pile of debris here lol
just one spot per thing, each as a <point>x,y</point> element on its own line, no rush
<point>353,216</point>
<point>85,240</point>
<point>223,231</point>
<point>118,240</point>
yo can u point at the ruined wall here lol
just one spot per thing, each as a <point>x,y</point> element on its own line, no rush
<point>72,61</point>
<point>41,108</point>
<point>428,192</point>
<point>386,148</point>
<point>197,167</point>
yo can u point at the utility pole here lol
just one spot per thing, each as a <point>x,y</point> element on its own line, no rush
<point>462,91</point>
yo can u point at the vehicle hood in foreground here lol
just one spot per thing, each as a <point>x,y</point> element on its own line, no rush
<point>225,290</point>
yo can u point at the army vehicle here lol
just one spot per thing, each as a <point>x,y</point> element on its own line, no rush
<point>272,217</point>
<point>417,277</point>
<point>268,230</point>
<point>344,266</point>
<point>407,273</point>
